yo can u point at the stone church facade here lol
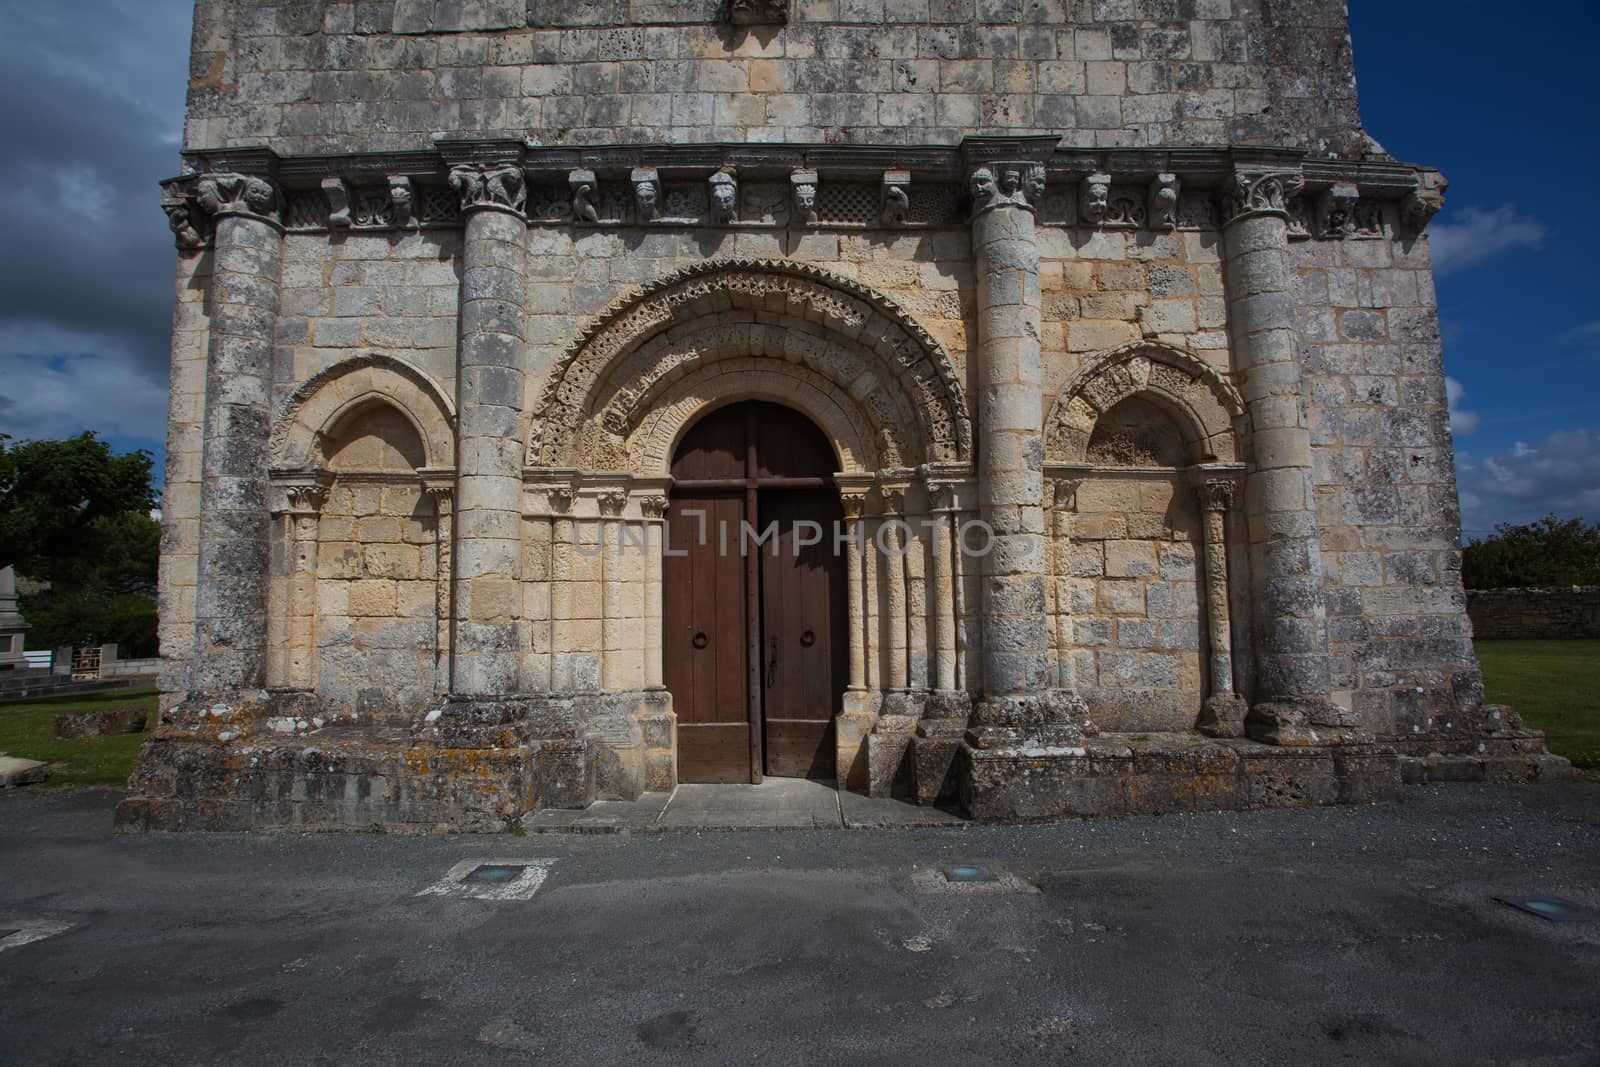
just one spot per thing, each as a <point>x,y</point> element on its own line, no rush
<point>1096,334</point>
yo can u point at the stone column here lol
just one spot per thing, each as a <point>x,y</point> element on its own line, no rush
<point>489,387</point>
<point>942,547</point>
<point>295,621</point>
<point>860,711</point>
<point>654,509</point>
<point>1224,713</point>
<point>891,545</point>
<point>918,655</point>
<point>235,527</point>
<point>1293,676</point>
<point>853,504</point>
<point>1065,479</point>
<point>1016,692</point>
<point>443,498</point>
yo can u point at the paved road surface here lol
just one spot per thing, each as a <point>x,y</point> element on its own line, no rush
<point>1360,935</point>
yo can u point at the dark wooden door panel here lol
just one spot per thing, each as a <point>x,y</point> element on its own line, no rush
<point>705,646</point>
<point>803,628</point>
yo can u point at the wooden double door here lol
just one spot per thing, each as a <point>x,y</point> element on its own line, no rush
<point>754,597</point>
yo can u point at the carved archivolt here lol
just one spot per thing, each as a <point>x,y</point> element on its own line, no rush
<point>1205,404</point>
<point>319,402</point>
<point>790,318</point>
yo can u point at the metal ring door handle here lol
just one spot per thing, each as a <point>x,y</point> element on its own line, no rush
<point>701,640</point>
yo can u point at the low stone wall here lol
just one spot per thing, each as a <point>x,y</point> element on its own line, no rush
<point>1535,613</point>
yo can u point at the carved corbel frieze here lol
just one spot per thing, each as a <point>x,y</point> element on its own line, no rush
<point>997,185</point>
<point>803,190</point>
<point>495,185</point>
<point>724,185</point>
<point>584,189</point>
<point>402,199</point>
<point>1094,199</point>
<point>1336,210</point>
<point>1259,192</point>
<point>187,222</point>
<point>1424,202</point>
<point>646,193</point>
<point>896,197</point>
<point>237,194</point>
<point>1163,207</point>
<point>338,197</point>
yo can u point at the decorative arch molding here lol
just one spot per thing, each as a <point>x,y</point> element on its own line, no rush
<point>651,446</point>
<point>789,317</point>
<point>1206,406</point>
<point>321,401</point>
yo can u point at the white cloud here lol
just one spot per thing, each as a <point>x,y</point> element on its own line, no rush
<point>1559,475</point>
<point>1586,335</point>
<point>1462,422</point>
<point>1476,236</point>
<point>60,395</point>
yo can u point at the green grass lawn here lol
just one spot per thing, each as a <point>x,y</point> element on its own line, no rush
<point>1556,687</point>
<point>27,730</point>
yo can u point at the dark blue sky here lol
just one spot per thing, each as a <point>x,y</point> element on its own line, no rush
<point>1502,100</point>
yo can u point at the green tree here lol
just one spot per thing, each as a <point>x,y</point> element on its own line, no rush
<point>76,515</point>
<point>1547,552</point>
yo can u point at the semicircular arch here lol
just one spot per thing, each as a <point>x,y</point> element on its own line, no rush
<point>324,400</point>
<point>789,318</point>
<point>1206,407</point>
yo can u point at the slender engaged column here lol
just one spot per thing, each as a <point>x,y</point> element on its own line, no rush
<point>443,498</point>
<point>1293,673</point>
<point>1064,504</point>
<point>1224,712</point>
<point>892,548</point>
<point>942,547</point>
<point>1010,444</point>
<point>918,654</point>
<point>235,527</point>
<point>489,385</point>
<point>298,625</point>
<point>655,511</point>
<point>853,503</point>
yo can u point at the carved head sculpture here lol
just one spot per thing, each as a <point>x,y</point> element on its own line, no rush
<point>983,186</point>
<point>260,196</point>
<point>724,196</point>
<point>805,198</point>
<point>400,197</point>
<point>1011,180</point>
<point>648,195</point>
<point>1033,183</point>
<point>1096,197</point>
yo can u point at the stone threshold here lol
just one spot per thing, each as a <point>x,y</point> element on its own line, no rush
<point>775,804</point>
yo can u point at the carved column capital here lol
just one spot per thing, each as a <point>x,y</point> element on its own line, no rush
<point>249,195</point>
<point>306,498</point>
<point>495,186</point>
<point>561,498</point>
<point>1259,192</point>
<point>612,501</point>
<point>654,506</point>
<point>1019,184</point>
<point>441,496</point>
<point>854,502</point>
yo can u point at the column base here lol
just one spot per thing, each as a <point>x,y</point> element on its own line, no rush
<point>1303,723</point>
<point>1052,722</point>
<point>1223,716</point>
<point>850,731</point>
<point>935,744</point>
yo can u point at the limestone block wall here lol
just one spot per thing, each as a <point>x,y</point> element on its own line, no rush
<point>363,293</point>
<point>1136,633</point>
<point>1387,509</point>
<point>311,75</point>
<point>1535,613</point>
<point>375,629</point>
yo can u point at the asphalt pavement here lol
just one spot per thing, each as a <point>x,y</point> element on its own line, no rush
<point>1346,934</point>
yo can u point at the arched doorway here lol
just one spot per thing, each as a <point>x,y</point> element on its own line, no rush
<point>754,598</point>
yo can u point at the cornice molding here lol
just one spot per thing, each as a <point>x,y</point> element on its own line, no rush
<point>801,186</point>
